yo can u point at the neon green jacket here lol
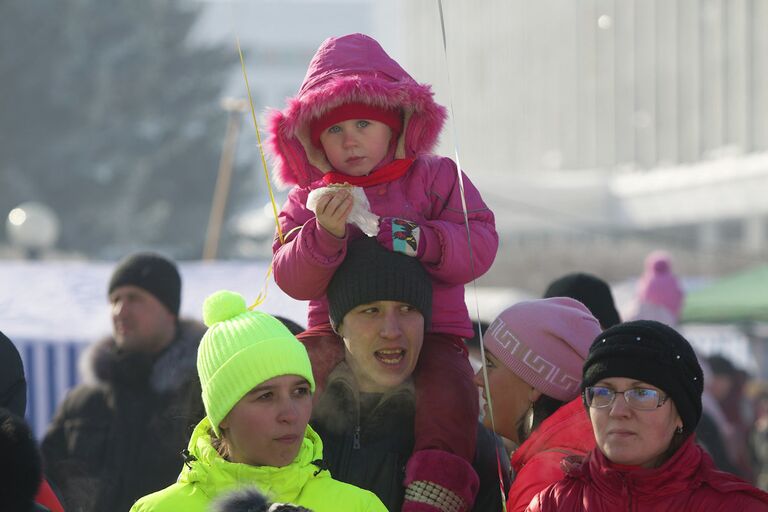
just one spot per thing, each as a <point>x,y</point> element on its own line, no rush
<point>300,483</point>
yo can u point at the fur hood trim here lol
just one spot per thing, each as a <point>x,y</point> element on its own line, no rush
<point>352,68</point>
<point>251,500</point>
<point>241,500</point>
<point>339,405</point>
<point>169,372</point>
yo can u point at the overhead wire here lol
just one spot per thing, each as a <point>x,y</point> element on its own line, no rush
<point>459,172</point>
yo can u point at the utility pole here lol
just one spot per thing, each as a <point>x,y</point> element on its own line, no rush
<point>234,108</point>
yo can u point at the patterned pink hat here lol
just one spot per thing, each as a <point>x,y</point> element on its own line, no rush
<point>545,343</point>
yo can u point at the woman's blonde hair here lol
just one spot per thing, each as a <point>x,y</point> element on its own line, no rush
<point>219,443</point>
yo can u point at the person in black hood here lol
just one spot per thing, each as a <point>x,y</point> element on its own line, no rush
<point>591,291</point>
<point>13,385</point>
<point>119,435</point>
<point>21,471</point>
<point>23,457</point>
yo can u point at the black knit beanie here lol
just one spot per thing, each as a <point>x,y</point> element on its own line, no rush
<point>370,273</point>
<point>153,273</point>
<point>651,352</point>
<point>591,291</point>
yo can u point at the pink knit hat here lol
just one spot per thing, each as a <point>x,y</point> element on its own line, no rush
<point>658,285</point>
<point>544,342</point>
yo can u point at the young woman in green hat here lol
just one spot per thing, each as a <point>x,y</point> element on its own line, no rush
<point>257,390</point>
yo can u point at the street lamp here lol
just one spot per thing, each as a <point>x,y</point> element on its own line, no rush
<point>33,227</point>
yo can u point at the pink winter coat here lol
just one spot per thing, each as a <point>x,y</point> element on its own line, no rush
<point>355,68</point>
<point>537,462</point>
<point>687,482</point>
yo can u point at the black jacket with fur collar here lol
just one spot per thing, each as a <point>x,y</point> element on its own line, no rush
<point>119,435</point>
<point>368,439</point>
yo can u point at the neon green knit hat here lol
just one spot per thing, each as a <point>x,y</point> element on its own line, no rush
<point>240,350</point>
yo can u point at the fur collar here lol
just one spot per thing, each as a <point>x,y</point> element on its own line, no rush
<point>339,406</point>
<point>102,363</point>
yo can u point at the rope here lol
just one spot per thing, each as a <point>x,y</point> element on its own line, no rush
<point>262,295</point>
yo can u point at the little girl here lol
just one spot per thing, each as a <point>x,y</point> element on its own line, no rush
<point>359,118</point>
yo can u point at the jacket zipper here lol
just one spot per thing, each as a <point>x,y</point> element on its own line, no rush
<point>356,435</point>
<point>356,438</point>
<point>626,490</point>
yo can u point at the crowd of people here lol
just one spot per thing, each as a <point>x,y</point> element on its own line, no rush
<point>374,405</point>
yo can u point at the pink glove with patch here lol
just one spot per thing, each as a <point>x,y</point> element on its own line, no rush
<point>401,235</point>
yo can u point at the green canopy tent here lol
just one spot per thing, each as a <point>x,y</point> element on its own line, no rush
<point>740,298</point>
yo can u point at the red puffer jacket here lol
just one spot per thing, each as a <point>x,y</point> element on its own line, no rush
<point>47,498</point>
<point>537,462</point>
<point>688,481</point>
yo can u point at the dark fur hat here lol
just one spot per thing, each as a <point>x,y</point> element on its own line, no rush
<point>251,500</point>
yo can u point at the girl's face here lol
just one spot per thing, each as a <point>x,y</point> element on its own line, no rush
<point>355,146</point>
<point>266,427</point>
<point>511,397</point>
<point>629,436</point>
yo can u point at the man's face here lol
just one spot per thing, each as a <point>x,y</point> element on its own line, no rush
<point>140,322</point>
<point>383,340</point>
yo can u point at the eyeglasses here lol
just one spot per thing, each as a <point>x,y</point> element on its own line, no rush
<point>642,399</point>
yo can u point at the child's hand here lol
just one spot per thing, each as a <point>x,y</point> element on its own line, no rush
<point>332,212</point>
<point>400,235</point>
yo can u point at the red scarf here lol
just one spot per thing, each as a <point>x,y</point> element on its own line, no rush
<point>390,172</point>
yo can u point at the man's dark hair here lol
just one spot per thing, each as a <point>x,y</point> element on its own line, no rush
<point>591,291</point>
<point>290,324</point>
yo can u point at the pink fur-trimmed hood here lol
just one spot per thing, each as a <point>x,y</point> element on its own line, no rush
<point>344,69</point>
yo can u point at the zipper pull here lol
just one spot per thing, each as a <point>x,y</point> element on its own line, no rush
<point>356,438</point>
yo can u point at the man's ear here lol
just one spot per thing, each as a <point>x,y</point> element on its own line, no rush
<point>337,329</point>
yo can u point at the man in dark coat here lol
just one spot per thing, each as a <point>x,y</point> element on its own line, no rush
<point>380,303</point>
<point>119,435</point>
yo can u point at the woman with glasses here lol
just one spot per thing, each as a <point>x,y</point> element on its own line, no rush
<point>642,386</point>
<point>534,354</point>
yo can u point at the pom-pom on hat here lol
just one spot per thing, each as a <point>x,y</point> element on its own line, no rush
<point>153,273</point>
<point>240,350</point>
<point>544,342</point>
<point>391,117</point>
<point>651,352</point>
<point>371,273</point>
